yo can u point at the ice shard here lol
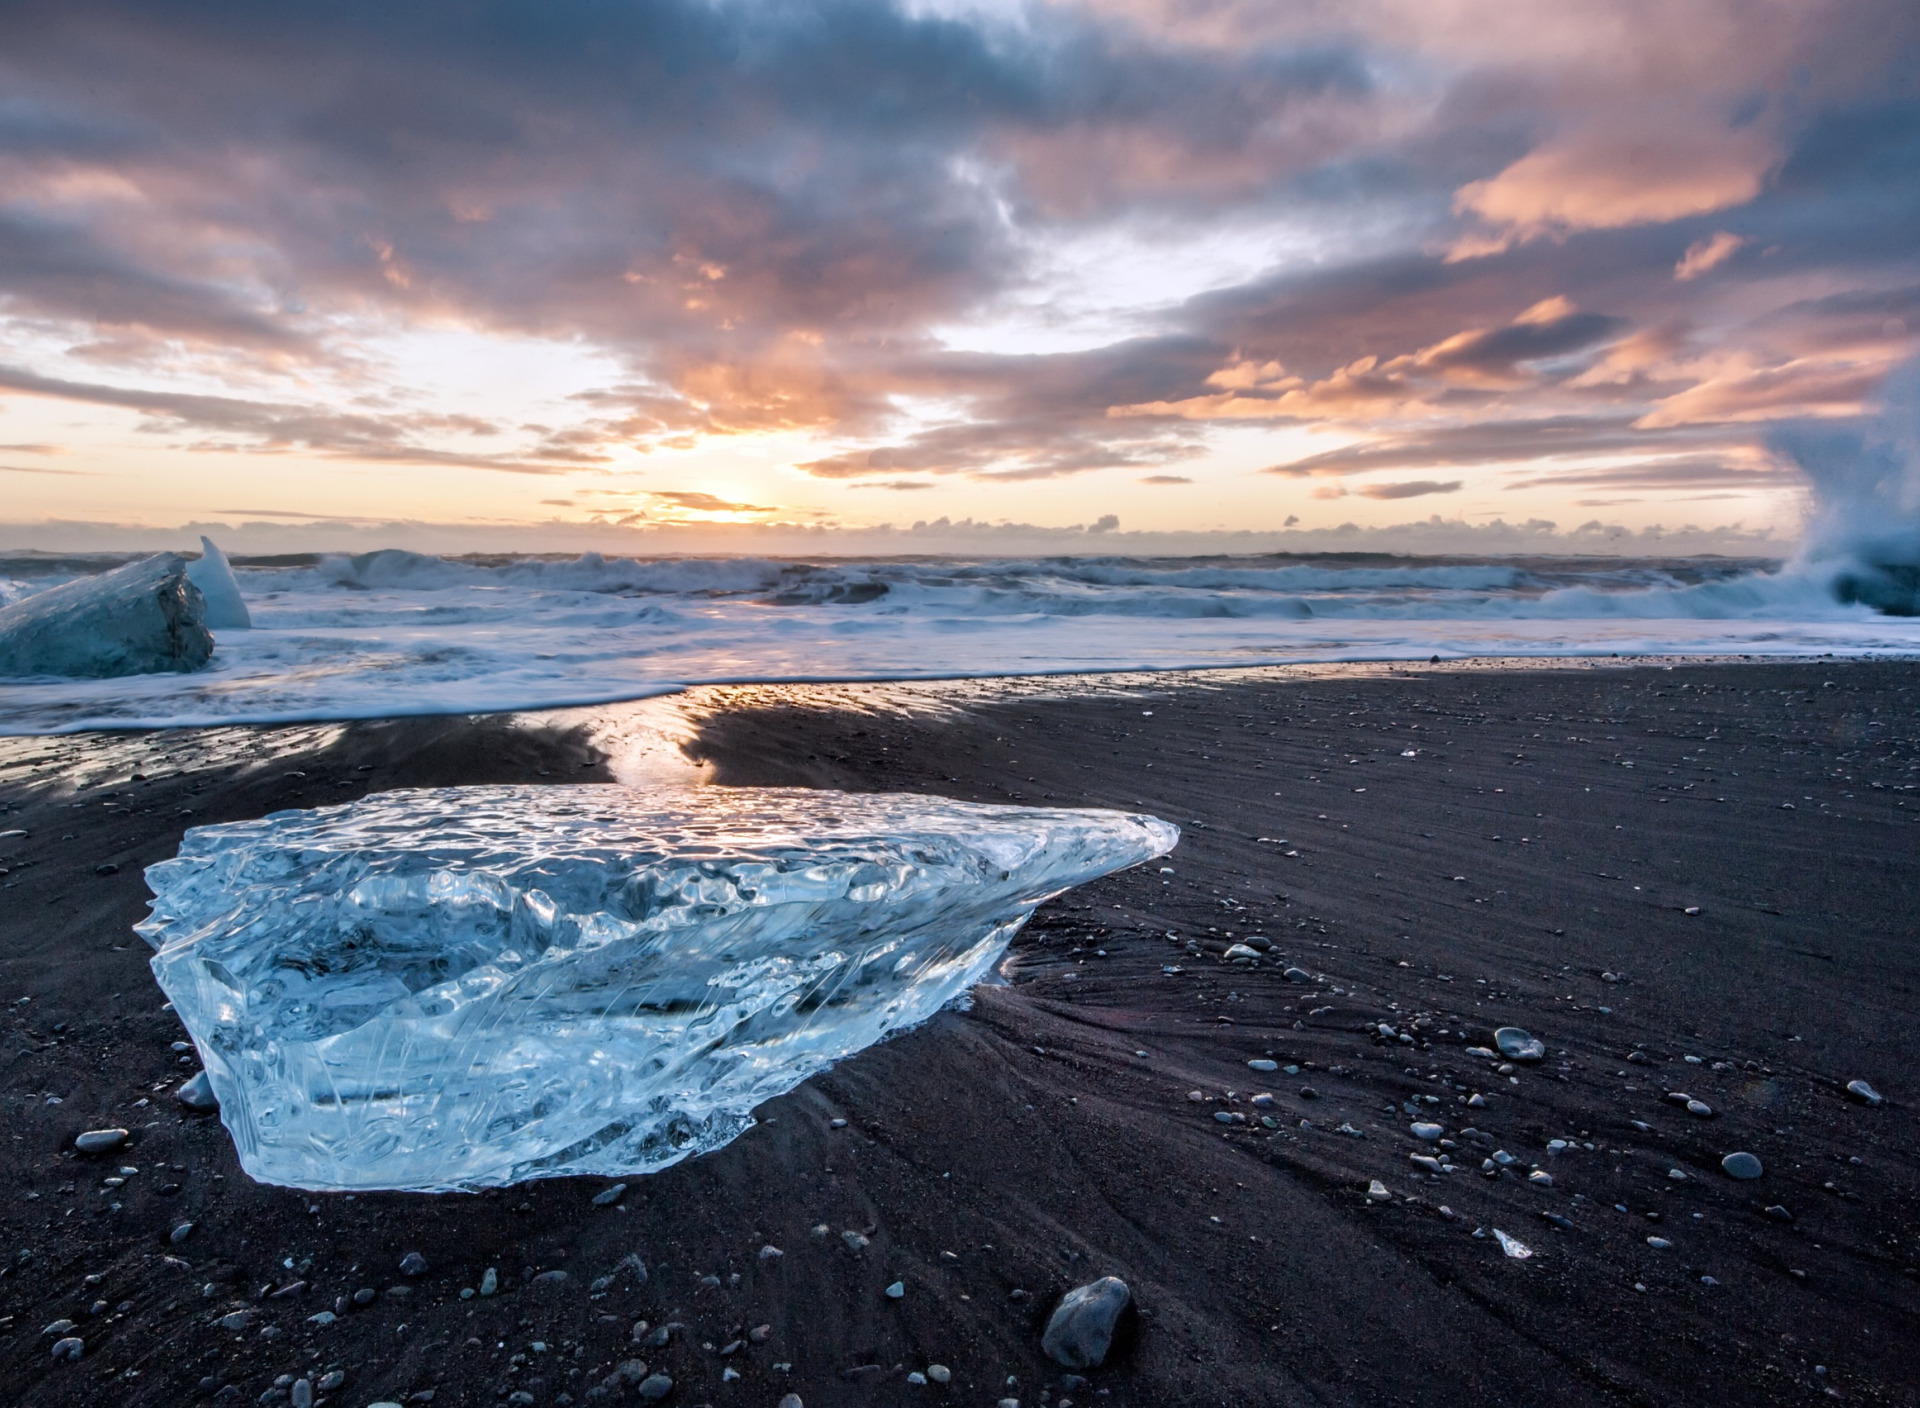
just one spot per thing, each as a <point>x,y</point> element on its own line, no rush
<point>468,987</point>
<point>213,575</point>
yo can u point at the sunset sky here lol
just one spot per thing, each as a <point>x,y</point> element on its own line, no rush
<point>1184,264</point>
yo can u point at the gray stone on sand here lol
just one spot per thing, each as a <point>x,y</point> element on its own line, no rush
<point>141,619</point>
<point>1080,1332</point>
<point>489,1282</point>
<point>100,1141</point>
<point>654,1388</point>
<point>791,1400</point>
<point>1517,1044</point>
<point>413,1264</point>
<point>607,1197</point>
<point>68,1350</point>
<point>1742,1165</point>
<point>1864,1093</point>
<point>197,1095</point>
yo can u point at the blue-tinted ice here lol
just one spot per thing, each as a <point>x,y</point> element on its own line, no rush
<point>475,986</point>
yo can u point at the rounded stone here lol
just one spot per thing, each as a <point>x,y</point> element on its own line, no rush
<point>654,1388</point>
<point>1080,1332</point>
<point>1864,1093</point>
<point>100,1141</point>
<point>413,1264</point>
<point>197,1095</point>
<point>1742,1165</point>
<point>1517,1044</point>
<point>1422,1130</point>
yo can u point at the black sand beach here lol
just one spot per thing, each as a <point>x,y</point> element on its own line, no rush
<point>1699,879</point>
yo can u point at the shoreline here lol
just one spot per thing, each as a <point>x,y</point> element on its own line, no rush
<point>1027,1138</point>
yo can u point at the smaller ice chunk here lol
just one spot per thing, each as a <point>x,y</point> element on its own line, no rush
<point>141,619</point>
<point>474,986</point>
<point>213,574</point>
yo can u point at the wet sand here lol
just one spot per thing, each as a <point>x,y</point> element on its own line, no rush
<point>1531,864</point>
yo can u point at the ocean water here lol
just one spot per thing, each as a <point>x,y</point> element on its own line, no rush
<point>394,632</point>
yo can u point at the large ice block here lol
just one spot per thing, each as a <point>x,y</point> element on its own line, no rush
<point>143,618</point>
<point>474,986</point>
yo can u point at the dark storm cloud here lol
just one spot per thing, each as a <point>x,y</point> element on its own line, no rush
<point>762,212</point>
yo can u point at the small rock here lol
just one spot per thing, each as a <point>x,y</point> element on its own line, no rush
<point>939,1373</point>
<point>365,1295</point>
<point>413,1264</point>
<point>1540,1178</point>
<point>791,1400</point>
<point>1260,1063</point>
<point>654,1388</point>
<point>331,1380</point>
<point>607,1197</point>
<point>771,1253</point>
<point>180,1233</point>
<point>489,1282</point>
<point>1517,1044</point>
<point>549,1278</point>
<point>1422,1130</point>
<point>1779,1214</point>
<point>1080,1332</point>
<point>1297,975</point>
<point>1377,1192</point>
<point>897,1290</point>
<point>1700,1108</point>
<point>302,1393</point>
<point>1864,1093</point>
<point>1659,1244</point>
<point>197,1095</point>
<point>236,1320</point>
<point>855,1241</point>
<point>323,1317</point>
<point>58,1327</point>
<point>100,1141</point>
<point>68,1350</point>
<point>1742,1165</point>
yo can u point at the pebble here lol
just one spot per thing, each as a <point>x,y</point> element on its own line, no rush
<point>197,1095</point>
<point>939,1373</point>
<point>1742,1165</point>
<point>791,1400</point>
<point>413,1264</point>
<point>180,1233</point>
<point>489,1282</point>
<point>916,1377</point>
<point>1427,1131</point>
<point>68,1350</point>
<point>1517,1044</point>
<point>236,1320</point>
<point>1080,1332</point>
<point>606,1197</point>
<point>1377,1192</point>
<point>1297,975</point>
<point>302,1393</point>
<point>1659,1244</point>
<point>1864,1093</point>
<point>897,1290</point>
<point>58,1327</point>
<point>1260,1063</point>
<point>364,1296</point>
<point>549,1278</point>
<point>331,1380</point>
<point>771,1253</point>
<point>654,1388</point>
<point>100,1141</point>
<point>1700,1108</point>
<point>1540,1178</point>
<point>1779,1214</point>
<point>857,1241</point>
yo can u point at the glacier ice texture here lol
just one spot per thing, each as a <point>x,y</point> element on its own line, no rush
<point>468,987</point>
<point>141,619</point>
<point>226,609</point>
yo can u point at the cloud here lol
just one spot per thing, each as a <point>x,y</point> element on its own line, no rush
<point>1409,489</point>
<point>1707,254</point>
<point>1165,479</point>
<point>1615,176</point>
<point>693,501</point>
<point>899,485</point>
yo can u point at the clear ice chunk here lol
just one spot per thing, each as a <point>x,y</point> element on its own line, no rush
<point>468,987</point>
